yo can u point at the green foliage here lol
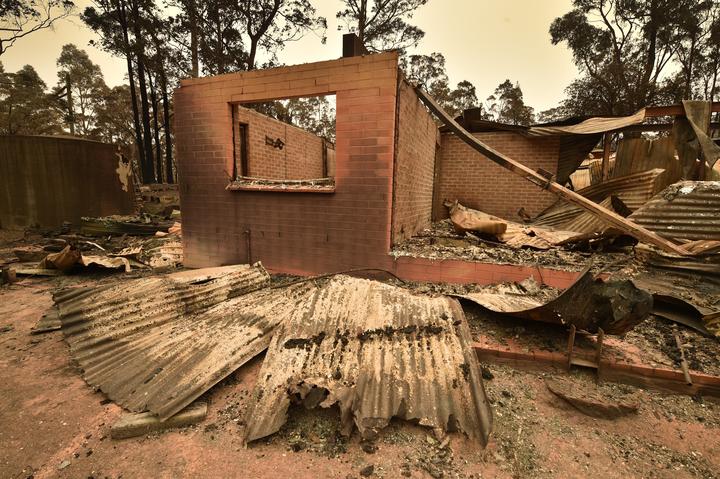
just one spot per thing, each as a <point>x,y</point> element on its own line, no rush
<point>313,114</point>
<point>231,35</point>
<point>87,90</point>
<point>506,105</point>
<point>382,24</point>
<point>113,117</point>
<point>428,72</point>
<point>634,53</point>
<point>25,108</point>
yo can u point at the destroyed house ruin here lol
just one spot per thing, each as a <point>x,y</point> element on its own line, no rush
<point>257,189</point>
<point>254,188</point>
<point>382,173</point>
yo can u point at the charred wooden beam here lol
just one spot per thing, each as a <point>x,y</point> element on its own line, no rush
<point>610,217</point>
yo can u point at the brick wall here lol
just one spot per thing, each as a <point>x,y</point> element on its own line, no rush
<point>415,146</point>
<point>469,177</point>
<point>294,232</point>
<point>301,156</point>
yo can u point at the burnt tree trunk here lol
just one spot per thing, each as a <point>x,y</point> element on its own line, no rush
<point>156,130</point>
<point>122,20</point>
<point>148,167</point>
<point>170,178</point>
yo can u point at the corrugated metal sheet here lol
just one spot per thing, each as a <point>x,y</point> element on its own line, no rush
<point>570,217</point>
<point>590,126</point>
<point>159,343</point>
<point>674,300</point>
<point>574,149</point>
<point>634,190</point>
<point>377,351</point>
<point>615,306</point>
<point>639,154</point>
<point>686,210</point>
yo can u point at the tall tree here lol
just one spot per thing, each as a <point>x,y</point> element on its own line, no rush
<point>114,117</point>
<point>20,18</point>
<point>315,114</point>
<point>429,73</point>
<point>270,24</point>
<point>221,45</point>
<point>464,97</point>
<point>383,24</point>
<point>83,87</point>
<point>506,105</point>
<point>25,108</point>
<point>110,19</point>
<point>624,47</point>
<point>139,50</point>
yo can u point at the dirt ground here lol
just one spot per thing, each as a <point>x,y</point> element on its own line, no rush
<point>52,424</point>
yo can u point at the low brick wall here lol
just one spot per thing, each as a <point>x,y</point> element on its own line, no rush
<point>465,175</point>
<point>301,155</point>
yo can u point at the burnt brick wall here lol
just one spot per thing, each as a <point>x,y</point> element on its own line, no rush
<point>475,181</point>
<point>301,156</point>
<point>302,233</point>
<point>417,138</point>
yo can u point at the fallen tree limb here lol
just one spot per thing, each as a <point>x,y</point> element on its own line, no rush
<point>612,218</point>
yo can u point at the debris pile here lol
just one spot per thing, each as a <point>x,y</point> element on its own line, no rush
<point>119,247</point>
<point>161,342</point>
<point>378,352</point>
<point>589,304</point>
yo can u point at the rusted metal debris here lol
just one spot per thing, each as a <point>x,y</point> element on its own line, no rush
<point>579,226</point>
<point>681,299</point>
<point>633,190</point>
<point>156,252</point>
<point>144,225</point>
<point>156,344</point>
<point>588,304</point>
<point>377,351</point>
<point>71,258</point>
<point>687,210</point>
<point>589,401</point>
<point>537,178</point>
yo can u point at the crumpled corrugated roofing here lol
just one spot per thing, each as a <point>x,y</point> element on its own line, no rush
<point>569,217</point>
<point>685,210</point>
<point>589,304</point>
<point>158,343</point>
<point>590,126</point>
<point>377,351</point>
<point>472,121</point>
<point>634,190</point>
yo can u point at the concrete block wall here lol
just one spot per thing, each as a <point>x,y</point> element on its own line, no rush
<point>475,181</point>
<point>415,149</point>
<point>303,233</point>
<point>301,156</point>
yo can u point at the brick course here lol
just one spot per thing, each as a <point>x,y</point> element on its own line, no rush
<point>415,147</point>
<point>301,156</point>
<point>475,181</point>
<point>312,233</point>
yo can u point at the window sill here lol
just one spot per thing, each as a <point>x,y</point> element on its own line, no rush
<point>280,186</point>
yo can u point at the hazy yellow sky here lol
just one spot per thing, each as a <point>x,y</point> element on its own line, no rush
<point>484,41</point>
